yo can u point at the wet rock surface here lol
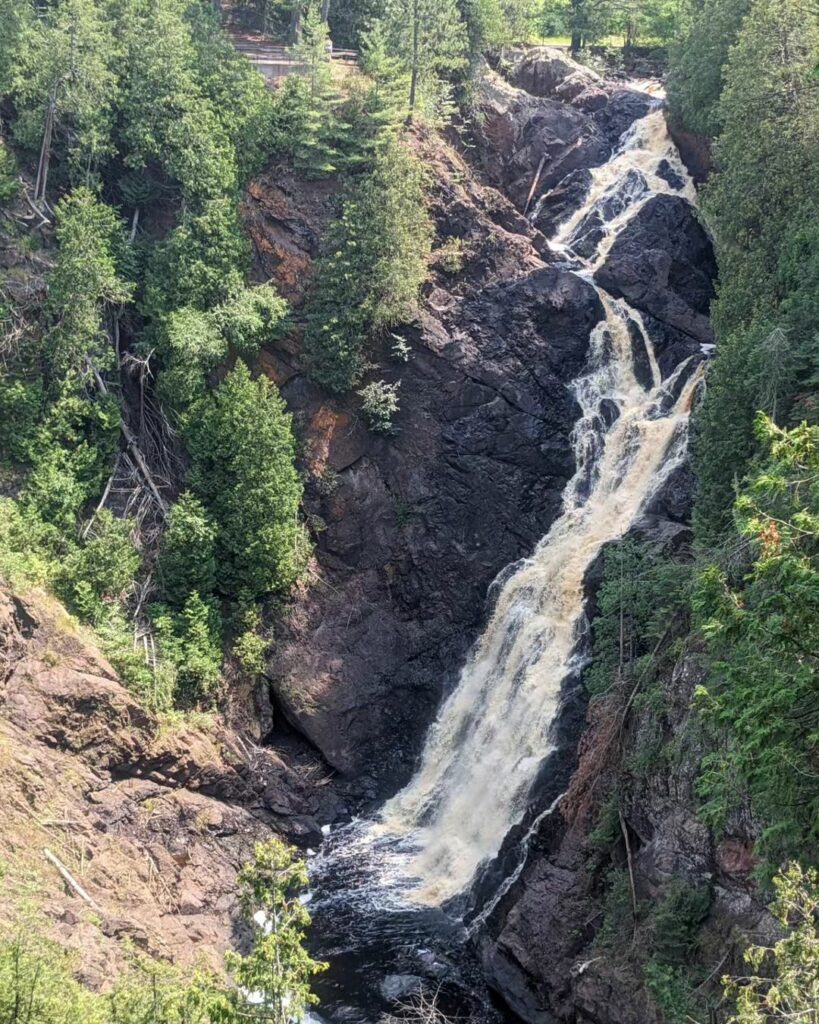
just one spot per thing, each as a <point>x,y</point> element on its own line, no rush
<point>539,948</point>
<point>663,264</point>
<point>530,141</point>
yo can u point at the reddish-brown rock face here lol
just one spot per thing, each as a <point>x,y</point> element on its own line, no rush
<point>152,820</point>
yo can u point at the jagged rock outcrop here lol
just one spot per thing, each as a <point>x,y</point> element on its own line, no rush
<point>152,819</point>
<point>542,949</point>
<point>546,118</point>
<point>662,263</point>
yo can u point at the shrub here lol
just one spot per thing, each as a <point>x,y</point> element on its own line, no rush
<point>677,921</point>
<point>102,569</point>
<point>9,178</point>
<point>187,555</point>
<point>255,317</point>
<point>190,346</point>
<point>671,991</point>
<point>379,403</point>
<point>190,639</point>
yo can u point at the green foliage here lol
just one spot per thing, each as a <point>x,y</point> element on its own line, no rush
<point>379,403</point>
<point>676,921</point>
<point>36,983</point>
<point>789,988</point>
<point>618,913</point>
<point>272,982</point>
<point>150,107</point>
<point>202,262</point>
<point>495,23</point>
<point>9,178</point>
<point>760,205</point>
<point>254,317</point>
<point>251,647</point>
<point>761,699</point>
<point>697,64</point>
<point>187,558</point>
<point>84,280</point>
<point>167,118</point>
<point>645,22</point>
<point>390,83</point>
<point>69,453</point>
<point>237,94</point>
<point>607,832</point>
<point>243,449</point>
<point>670,989</point>
<point>100,571</point>
<point>374,264</point>
<point>24,557</point>
<point>429,38</point>
<point>350,21</point>
<point>190,346</point>
<point>21,406</point>
<point>190,639</point>
<point>14,16</point>
<point>641,595</point>
<point>64,60</point>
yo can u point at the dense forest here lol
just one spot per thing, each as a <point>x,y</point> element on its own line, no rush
<point>152,478</point>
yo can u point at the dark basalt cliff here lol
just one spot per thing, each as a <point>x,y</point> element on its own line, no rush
<point>411,531</point>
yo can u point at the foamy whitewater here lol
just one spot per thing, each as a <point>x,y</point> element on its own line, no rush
<point>494,730</point>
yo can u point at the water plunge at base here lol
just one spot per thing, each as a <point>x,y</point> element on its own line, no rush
<point>494,731</point>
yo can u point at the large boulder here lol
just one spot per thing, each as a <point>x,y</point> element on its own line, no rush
<point>663,264</point>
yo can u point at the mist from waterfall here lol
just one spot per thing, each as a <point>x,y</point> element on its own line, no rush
<point>494,731</point>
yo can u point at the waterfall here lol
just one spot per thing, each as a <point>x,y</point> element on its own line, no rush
<point>493,732</point>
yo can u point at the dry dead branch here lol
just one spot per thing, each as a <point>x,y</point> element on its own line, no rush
<point>70,880</point>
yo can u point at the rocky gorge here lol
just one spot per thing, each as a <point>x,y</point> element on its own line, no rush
<point>410,533</point>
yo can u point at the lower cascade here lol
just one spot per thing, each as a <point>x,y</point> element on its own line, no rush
<point>482,755</point>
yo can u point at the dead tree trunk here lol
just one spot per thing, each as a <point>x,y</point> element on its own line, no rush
<point>41,182</point>
<point>416,42</point>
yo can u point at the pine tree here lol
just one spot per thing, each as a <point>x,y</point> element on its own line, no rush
<point>65,89</point>
<point>273,980</point>
<point>429,37</point>
<point>243,471</point>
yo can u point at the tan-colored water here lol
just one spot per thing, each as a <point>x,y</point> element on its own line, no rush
<point>493,732</point>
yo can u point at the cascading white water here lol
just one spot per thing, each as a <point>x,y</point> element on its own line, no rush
<point>493,732</point>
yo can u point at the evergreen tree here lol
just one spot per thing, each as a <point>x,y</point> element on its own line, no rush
<point>376,261</point>
<point>243,449</point>
<point>187,556</point>
<point>788,990</point>
<point>65,88</point>
<point>429,37</point>
<point>697,64</point>
<point>273,980</point>
<point>758,203</point>
<point>762,700</point>
<point>83,282</point>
